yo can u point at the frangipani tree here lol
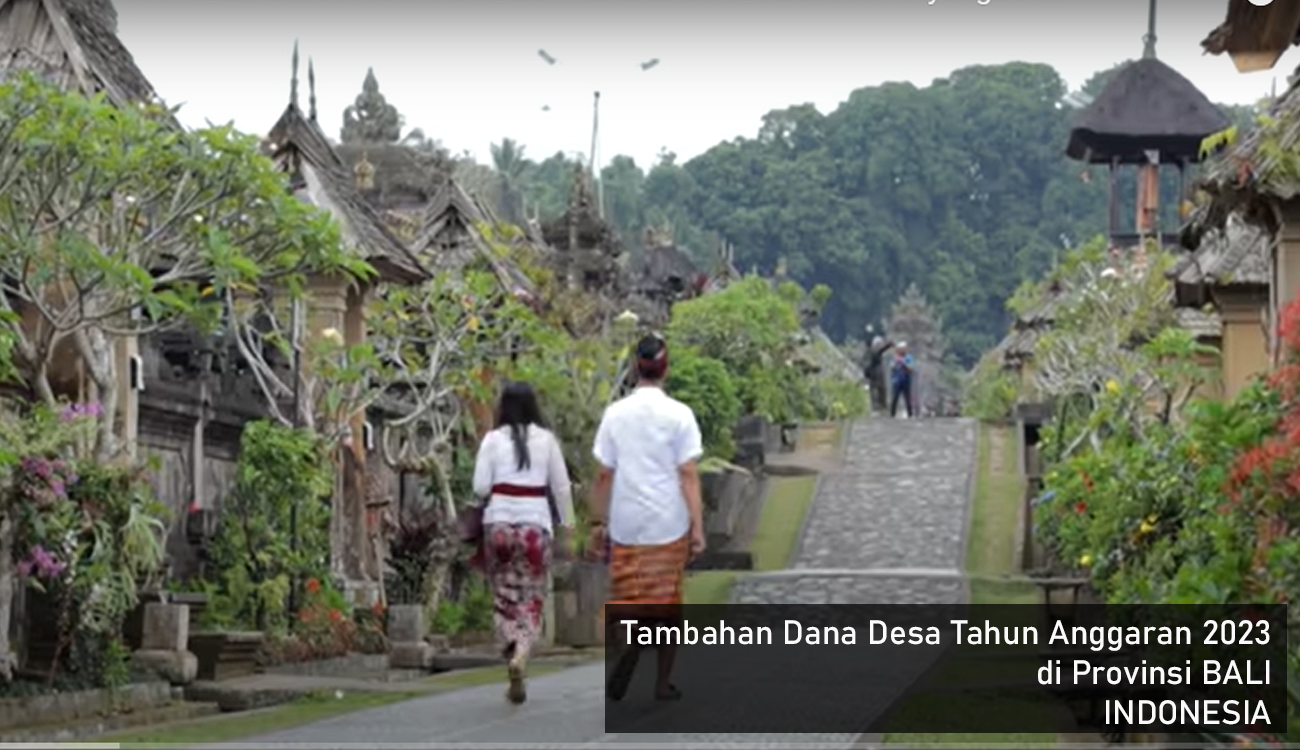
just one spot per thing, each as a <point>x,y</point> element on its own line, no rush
<point>114,223</point>
<point>434,343</point>
<point>1114,344</point>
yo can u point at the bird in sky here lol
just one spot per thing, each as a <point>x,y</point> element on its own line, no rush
<point>542,54</point>
<point>546,108</point>
<point>648,64</point>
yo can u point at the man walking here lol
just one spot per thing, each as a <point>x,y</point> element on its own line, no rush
<point>875,372</point>
<point>903,367</point>
<point>648,488</point>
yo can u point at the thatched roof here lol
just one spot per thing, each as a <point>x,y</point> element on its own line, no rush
<point>667,264</point>
<point>74,44</point>
<point>1239,254</point>
<point>1255,37</point>
<point>450,238</point>
<point>828,358</point>
<point>301,148</point>
<point>1146,105</point>
<point>1018,346</point>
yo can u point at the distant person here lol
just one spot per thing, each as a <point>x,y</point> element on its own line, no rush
<point>875,372</point>
<point>521,470</point>
<point>903,368</point>
<point>648,488</point>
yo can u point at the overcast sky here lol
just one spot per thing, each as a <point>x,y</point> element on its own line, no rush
<point>468,71</point>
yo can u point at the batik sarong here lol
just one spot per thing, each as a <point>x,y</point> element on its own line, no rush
<point>517,558</point>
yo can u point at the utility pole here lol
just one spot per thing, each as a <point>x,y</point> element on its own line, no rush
<point>595,169</point>
<point>595,131</point>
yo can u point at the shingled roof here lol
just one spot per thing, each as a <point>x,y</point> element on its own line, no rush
<point>450,238</point>
<point>1246,171</point>
<point>73,44</point>
<point>1146,105</point>
<point>1239,254</point>
<point>1203,324</point>
<point>299,146</point>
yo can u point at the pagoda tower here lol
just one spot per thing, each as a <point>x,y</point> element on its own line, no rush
<point>1148,117</point>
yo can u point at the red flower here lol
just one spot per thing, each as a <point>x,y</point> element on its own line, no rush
<point>313,586</point>
<point>335,615</point>
<point>1080,507</point>
<point>194,506</point>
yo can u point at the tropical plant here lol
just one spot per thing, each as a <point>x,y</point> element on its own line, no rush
<point>114,222</point>
<point>274,532</point>
<point>85,534</point>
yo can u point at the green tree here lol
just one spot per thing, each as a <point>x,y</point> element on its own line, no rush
<point>703,384</point>
<point>113,223</point>
<point>510,164</point>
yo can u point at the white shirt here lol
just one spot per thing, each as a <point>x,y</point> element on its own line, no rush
<point>497,464</point>
<point>645,439</point>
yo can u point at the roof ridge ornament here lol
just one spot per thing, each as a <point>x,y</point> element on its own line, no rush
<point>311,90</point>
<point>293,77</point>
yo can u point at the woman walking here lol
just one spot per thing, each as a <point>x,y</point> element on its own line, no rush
<point>521,471</point>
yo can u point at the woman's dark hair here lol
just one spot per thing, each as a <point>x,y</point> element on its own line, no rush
<point>518,409</point>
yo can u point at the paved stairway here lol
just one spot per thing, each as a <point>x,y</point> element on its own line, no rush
<point>888,527</point>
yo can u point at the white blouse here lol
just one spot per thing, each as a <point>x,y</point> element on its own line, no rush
<point>497,464</point>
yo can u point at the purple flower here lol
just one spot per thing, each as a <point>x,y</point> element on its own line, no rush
<point>42,563</point>
<point>58,487</point>
<point>73,412</point>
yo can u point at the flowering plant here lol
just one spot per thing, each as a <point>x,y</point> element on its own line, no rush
<point>327,627</point>
<point>87,534</point>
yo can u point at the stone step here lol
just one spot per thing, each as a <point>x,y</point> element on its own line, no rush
<point>236,697</point>
<point>99,725</point>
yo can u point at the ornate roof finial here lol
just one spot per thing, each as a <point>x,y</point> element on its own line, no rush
<point>311,91</point>
<point>1149,41</point>
<point>364,172</point>
<point>293,77</point>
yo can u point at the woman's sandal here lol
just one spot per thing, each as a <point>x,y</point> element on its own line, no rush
<point>621,678</point>
<point>669,694</point>
<point>517,693</point>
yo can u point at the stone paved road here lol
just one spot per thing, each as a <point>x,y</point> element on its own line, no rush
<point>887,528</point>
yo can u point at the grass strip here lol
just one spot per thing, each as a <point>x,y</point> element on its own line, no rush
<point>999,491</point>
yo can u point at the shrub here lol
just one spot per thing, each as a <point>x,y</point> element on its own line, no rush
<point>274,529</point>
<point>990,391</point>
<point>703,384</point>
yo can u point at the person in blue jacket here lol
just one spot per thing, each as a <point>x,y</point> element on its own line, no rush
<point>902,369</point>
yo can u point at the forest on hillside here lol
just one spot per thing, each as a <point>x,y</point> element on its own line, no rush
<point>961,187</point>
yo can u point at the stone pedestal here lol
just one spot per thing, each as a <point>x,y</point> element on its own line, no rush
<point>164,646</point>
<point>407,629</point>
<point>580,606</point>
